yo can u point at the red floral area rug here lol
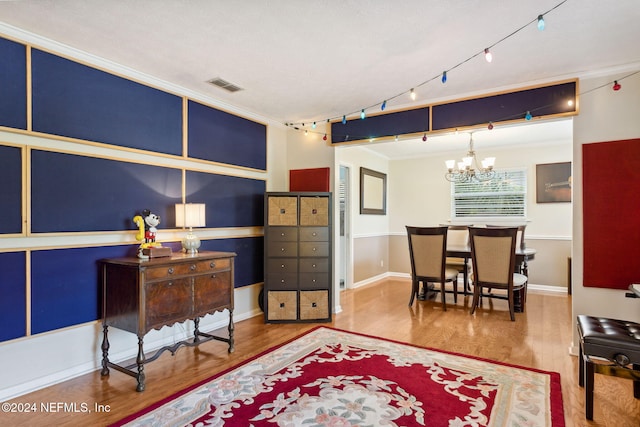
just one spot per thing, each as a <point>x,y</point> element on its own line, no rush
<point>329,377</point>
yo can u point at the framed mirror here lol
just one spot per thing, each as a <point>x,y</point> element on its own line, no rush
<point>373,192</point>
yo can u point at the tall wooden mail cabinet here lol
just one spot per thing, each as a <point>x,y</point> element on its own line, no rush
<point>298,246</point>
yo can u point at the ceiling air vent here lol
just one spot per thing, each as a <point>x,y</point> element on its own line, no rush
<point>221,83</point>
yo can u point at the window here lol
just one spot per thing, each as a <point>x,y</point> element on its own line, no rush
<point>503,197</point>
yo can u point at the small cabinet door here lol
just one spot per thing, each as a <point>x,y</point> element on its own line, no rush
<point>167,302</point>
<point>211,292</point>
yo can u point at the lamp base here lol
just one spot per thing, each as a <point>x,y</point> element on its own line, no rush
<point>190,243</point>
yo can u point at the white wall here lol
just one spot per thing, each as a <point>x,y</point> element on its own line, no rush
<point>420,195</point>
<point>605,115</point>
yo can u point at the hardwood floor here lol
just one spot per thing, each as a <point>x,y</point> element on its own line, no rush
<point>539,338</point>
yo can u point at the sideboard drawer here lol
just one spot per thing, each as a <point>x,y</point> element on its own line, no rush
<point>174,270</point>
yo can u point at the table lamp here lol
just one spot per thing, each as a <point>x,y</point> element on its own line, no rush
<point>190,215</point>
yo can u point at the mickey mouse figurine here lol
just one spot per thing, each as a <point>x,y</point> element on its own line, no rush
<point>147,230</point>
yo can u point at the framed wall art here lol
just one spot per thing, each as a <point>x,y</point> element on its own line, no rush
<point>373,192</point>
<point>553,182</point>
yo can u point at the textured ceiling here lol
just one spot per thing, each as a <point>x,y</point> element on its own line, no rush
<point>310,61</point>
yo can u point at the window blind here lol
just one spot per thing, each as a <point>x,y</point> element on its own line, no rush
<point>503,197</point>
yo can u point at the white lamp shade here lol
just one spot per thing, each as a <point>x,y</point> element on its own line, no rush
<point>190,215</point>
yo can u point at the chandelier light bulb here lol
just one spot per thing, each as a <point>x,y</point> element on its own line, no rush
<point>324,138</point>
<point>384,105</point>
<point>444,77</point>
<point>313,125</point>
<point>344,120</point>
<point>424,138</point>
<point>487,55</point>
<point>362,114</point>
<point>528,116</point>
<point>616,86</point>
<point>412,94</point>
<point>490,127</point>
<point>540,22</point>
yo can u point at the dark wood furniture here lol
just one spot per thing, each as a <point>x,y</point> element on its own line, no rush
<point>523,256</point>
<point>493,254</point>
<point>617,344</point>
<point>297,257</point>
<point>140,295</point>
<point>427,251</point>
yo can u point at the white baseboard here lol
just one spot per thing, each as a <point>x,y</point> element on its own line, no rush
<point>560,290</point>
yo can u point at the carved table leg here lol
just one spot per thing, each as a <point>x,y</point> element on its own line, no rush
<point>196,331</point>
<point>231,330</point>
<point>105,350</point>
<point>140,361</point>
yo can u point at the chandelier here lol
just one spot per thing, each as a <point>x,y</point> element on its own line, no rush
<point>467,170</point>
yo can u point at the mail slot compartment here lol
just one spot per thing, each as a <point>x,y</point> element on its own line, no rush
<point>312,265</point>
<point>320,249</point>
<point>283,249</point>
<point>314,234</point>
<point>319,280</point>
<point>284,234</point>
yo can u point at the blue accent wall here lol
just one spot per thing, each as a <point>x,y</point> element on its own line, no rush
<point>11,182</point>
<point>222,137</point>
<point>13,81</point>
<point>13,295</point>
<point>76,193</point>
<point>65,286</point>
<point>231,201</point>
<point>77,101</point>
<point>72,192</point>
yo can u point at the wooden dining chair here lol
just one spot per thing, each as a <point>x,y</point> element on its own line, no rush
<point>428,253</point>
<point>458,236</point>
<point>493,261</point>
<point>519,244</point>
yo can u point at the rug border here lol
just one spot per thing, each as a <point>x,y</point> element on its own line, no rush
<point>556,400</point>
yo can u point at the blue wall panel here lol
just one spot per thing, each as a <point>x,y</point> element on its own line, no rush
<point>65,286</point>
<point>222,137</point>
<point>11,181</point>
<point>542,101</point>
<point>231,201</point>
<point>77,193</point>
<point>381,125</point>
<point>13,293</point>
<point>250,259</point>
<point>13,81</point>
<point>77,101</point>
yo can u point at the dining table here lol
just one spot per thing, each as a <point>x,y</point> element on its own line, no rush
<point>523,256</point>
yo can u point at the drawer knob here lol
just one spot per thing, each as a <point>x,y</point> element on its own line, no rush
<point>315,234</point>
<point>170,270</point>
<point>192,267</point>
<point>313,265</point>
<point>282,249</point>
<point>213,264</point>
<point>282,234</point>
<point>281,265</point>
<point>314,249</point>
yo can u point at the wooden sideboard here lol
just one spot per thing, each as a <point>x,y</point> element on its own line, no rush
<point>140,295</point>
